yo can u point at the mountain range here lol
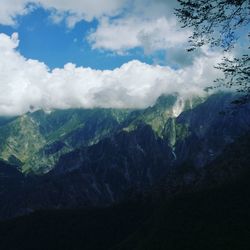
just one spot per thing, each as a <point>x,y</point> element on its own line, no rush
<point>98,157</point>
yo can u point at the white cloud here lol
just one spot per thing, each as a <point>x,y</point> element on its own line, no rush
<point>72,11</point>
<point>124,34</point>
<point>142,23</point>
<point>149,24</point>
<point>75,10</point>
<point>10,9</point>
<point>28,83</point>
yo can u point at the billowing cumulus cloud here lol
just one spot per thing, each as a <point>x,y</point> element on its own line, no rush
<point>26,84</point>
<point>149,24</point>
<point>151,34</point>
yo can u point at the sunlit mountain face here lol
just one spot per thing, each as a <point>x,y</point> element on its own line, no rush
<point>114,134</point>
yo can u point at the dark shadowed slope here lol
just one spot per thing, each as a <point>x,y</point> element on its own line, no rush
<point>140,151</point>
<point>215,217</point>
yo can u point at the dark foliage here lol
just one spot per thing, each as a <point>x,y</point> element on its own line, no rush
<point>216,218</point>
<point>220,23</point>
<point>213,219</point>
<point>215,22</point>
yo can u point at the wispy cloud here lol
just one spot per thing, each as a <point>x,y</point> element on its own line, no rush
<point>73,11</point>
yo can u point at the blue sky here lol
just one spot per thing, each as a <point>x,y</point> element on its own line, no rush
<point>58,54</point>
<point>91,33</point>
<point>57,44</point>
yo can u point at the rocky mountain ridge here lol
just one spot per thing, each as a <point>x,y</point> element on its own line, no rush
<point>97,157</point>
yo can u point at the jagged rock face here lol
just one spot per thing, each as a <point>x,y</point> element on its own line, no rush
<point>127,160</point>
<point>206,130</point>
<point>96,157</point>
